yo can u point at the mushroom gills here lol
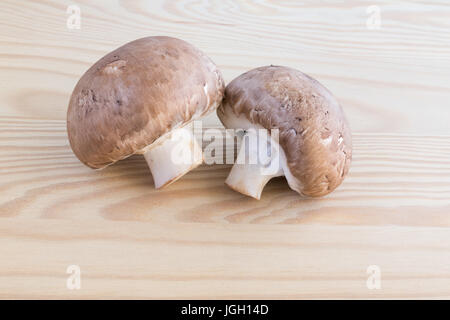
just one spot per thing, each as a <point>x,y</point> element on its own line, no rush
<point>172,156</point>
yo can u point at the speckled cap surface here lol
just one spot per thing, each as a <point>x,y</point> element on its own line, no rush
<point>313,131</point>
<point>137,93</point>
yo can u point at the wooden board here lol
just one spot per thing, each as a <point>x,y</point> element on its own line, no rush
<point>197,238</point>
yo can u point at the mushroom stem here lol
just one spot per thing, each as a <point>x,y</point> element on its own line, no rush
<point>173,156</point>
<point>248,180</point>
<point>249,175</point>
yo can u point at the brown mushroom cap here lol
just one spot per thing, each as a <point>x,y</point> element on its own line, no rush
<point>136,94</point>
<point>314,133</point>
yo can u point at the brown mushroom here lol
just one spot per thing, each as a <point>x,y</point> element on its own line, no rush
<point>140,99</point>
<point>313,148</point>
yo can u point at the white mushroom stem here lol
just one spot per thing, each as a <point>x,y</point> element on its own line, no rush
<point>173,156</point>
<point>260,158</point>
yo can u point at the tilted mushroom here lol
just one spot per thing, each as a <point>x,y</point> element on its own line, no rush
<point>313,148</point>
<point>139,99</point>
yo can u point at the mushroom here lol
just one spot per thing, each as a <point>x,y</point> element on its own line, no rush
<point>141,99</point>
<point>312,147</point>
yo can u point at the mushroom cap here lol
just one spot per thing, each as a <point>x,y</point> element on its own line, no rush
<point>313,131</point>
<point>138,93</point>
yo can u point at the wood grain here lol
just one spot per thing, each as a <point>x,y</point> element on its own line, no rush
<point>395,79</point>
<point>197,238</point>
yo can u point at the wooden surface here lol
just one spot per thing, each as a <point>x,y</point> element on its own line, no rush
<point>197,238</point>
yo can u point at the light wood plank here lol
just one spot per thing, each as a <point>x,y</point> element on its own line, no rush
<point>197,238</point>
<point>395,79</point>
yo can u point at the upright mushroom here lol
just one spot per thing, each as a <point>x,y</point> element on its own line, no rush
<point>313,144</point>
<point>138,99</point>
